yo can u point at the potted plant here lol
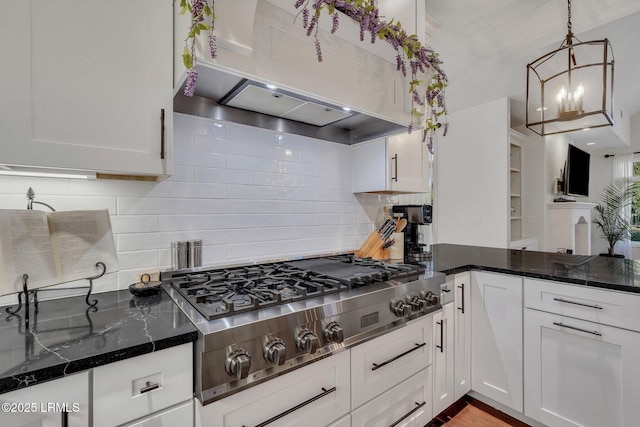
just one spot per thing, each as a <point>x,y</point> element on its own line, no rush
<point>609,217</point>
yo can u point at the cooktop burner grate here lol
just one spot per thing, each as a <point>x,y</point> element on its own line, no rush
<point>226,291</point>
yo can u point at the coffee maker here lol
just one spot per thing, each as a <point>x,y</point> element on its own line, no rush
<point>417,234</point>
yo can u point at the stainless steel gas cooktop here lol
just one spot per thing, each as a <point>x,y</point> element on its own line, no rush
<point>259,321</point>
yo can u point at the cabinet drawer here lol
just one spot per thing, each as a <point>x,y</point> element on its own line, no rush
<point>408,404</point>
<point>313,396</point>
<point>133,388</point>
<point>384,362</point>
<point>613,308</point>
<point>181,415</point>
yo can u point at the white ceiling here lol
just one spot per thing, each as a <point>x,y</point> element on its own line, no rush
<point>485,45</point>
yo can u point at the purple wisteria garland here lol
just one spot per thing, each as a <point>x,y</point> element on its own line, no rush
<point>202,19</point>
<point>364,12</point>
<point>408,49</point>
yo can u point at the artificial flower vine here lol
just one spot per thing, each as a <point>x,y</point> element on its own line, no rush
<point>202,19</point>
<point>407,47</point>
<point>365,12</point>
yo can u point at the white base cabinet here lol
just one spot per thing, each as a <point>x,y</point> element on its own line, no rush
<point>181,415</point>
<point>407,404</point>
<point>326,381</point>
<point>580,373</point>
<point>142,385</point>
<point>461,285</point>
<point>496,342</point>
<point>443,352</point>
<point>384,362</point>
<point>32,406</point>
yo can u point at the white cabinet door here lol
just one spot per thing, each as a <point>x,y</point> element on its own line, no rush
<point>90,87</point>
<point>40,405</point>
<point>462,334</point>
<point>398,164</point>
<point>580,374</point>
<point>443,371</point>
<point>313,396</point>
<point>384,362</point>
<point>408,165</point>
<point>407,404</point>
<point>496,342</point>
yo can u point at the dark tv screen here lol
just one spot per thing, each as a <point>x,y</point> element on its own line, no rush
<point>577,172</point>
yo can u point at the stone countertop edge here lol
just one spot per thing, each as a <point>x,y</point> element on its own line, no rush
<point>68,337</point>
<point>584,270</point>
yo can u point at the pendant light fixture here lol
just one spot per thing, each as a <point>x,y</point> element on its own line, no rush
<point>571,88</point>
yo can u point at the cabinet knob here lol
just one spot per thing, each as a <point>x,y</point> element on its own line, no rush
<point>238,364</point>
<point>334,333</point>
<point>307,341</point>
<point>275,352</point>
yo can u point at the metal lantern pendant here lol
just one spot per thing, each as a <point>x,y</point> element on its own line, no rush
<point>571,88</point>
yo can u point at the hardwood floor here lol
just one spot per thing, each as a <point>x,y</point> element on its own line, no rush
<point>469,412</point>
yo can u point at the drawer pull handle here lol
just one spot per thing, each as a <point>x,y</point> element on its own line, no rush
<point>324,393</point>
<point>395,160</point>
<point>597,307</point>
<point>461,308</point>
<point>393,359</point>
<point>149,387</point>
<point>578,329</point>
<point>408,414</point>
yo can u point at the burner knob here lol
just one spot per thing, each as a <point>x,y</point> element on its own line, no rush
<point>400,309</point>
<point>431,298</point>
<point>307,341</point>
<point>275,352</point>
<point>238,364</point>
<point>334,332</point>
<point>418,304</point>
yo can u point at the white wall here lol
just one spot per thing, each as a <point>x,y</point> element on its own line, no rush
<point>248,193</point>
<point>472,172</point>
<point>534,184</point>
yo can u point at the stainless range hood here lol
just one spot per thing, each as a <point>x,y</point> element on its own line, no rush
<point>227,97</point>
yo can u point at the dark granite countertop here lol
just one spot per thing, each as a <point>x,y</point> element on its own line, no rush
<point>67,336</point>
<point>596,271</point>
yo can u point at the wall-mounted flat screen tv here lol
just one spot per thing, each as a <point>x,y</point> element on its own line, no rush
<point>576,173</point>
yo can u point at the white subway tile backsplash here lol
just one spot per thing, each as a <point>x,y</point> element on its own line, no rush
<point>222,176</point>
<point>249,194</point>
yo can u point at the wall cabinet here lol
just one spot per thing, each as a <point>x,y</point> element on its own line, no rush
<point>462,334</point>
<point>443,359</point>
<point>91,88</point>
<point>496,342</point>
<point>397,164</point>
<point>72,391</point>
<point>318,393</point>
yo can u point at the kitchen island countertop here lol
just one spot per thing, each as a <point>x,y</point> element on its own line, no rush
<point>68,336</point>
<point>594,271</point>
